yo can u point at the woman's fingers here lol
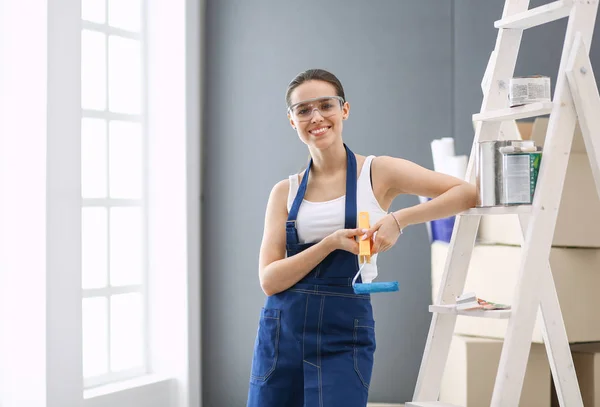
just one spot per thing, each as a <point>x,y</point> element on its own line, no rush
<point>355,232</point>
<point>372,231</point>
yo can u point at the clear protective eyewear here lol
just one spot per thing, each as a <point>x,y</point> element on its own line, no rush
<point>327,107</point>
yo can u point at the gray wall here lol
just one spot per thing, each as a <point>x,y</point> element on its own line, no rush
<point>412,73</point>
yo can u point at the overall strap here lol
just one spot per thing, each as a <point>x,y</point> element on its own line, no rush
<point>350,218</point>
<point>350,190</point>
<point>291,233</point>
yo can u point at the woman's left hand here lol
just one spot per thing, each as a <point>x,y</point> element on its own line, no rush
<point>385,233</point>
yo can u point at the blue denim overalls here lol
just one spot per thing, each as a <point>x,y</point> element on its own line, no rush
<point>316,340</point>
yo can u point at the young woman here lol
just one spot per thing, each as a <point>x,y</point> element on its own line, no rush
<point>316,337</point>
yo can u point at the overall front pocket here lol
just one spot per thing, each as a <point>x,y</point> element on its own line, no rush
<point>266,347</point>
<point>364,349</point>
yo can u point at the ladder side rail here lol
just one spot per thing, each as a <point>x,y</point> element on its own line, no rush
<point>584,89</point>
<point>555,338</point>
<point>538,240</point>
<point>442,326</point>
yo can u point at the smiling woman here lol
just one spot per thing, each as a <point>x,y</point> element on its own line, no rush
<point>316,336</point>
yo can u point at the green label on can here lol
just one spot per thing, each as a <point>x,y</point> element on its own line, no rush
<point>520,173</point>
<point>535,160</point>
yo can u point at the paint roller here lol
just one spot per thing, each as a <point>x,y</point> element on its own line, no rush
<point>364,257</point>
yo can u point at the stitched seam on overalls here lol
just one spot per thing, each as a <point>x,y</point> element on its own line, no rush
<point>320,387</point>
<point>319,350</point>
<point>304,328</point>
<point>319,331</point>
<point>302,290</point>
<point>312,364</point>
<point>356,358</point>
<point>266,376</point>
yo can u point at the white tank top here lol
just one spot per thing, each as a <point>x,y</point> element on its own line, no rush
<point>317,220</point>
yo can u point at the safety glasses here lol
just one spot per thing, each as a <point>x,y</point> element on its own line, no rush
<point>327,107</point>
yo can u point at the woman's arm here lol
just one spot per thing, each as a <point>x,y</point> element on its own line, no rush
<point>450,196</point>
<point>278,273</point>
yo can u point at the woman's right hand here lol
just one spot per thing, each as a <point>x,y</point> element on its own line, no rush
<point>345,239</point>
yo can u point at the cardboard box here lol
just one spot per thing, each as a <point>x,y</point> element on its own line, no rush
<point>493,276</point>
<point>579,208</point>
<point>586,358</point>
<point>536,131</point>
<point>471,373</point>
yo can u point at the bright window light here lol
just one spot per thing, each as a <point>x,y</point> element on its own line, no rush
<point>114,197</point>
<point>95,337</point>
<point>93,70</point>
<point>126,246</point>
<point>94,158</point>
<point>94,11</point>
<point>124,78</point>
<point>125,14</point>
<point>126,160</point>
<point>126,332</point>
<point>94,222</point>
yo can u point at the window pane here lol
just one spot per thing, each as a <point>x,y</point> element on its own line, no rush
<point>95,336</point>
<point>93,158</point>
<point>126,152</point>
<point>126,332</point>
<point>125,246</point>
<point>125,72</point>
<point>94,236</point>
<point>125,14</point>
<point>94,11</point>
<point>93,70</point>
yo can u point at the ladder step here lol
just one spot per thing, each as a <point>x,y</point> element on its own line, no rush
<point>537,16</point>
<point>429,404</point>
<point>499,210</point>
<point>451,309</point>
<point>513,113</point>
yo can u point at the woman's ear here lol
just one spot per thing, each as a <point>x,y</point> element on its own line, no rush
<point>292,122</point>
<point>345,110</point>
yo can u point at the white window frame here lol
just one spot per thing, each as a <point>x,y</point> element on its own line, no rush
<point>108,203</point>
<point>40,123</point>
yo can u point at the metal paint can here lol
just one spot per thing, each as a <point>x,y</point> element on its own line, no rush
<point>489,172</point>
<point>528,89</point>
<point>500,171</point>
<point>520,172</point>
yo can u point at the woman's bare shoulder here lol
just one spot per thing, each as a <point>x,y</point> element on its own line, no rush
<point>281,188</point>
<point>279,194</point>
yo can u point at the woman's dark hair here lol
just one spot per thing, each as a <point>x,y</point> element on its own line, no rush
<point>317,75</point>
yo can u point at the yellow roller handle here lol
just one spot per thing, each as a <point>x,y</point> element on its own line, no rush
<point>364,246</point>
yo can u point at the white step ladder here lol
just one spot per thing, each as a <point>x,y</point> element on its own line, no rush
<point>575,98</point>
